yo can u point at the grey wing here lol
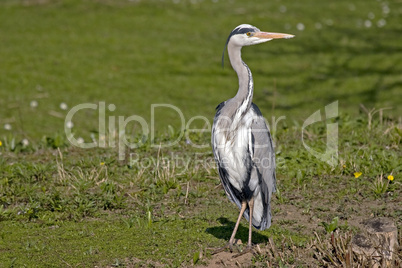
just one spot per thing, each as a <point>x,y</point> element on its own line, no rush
<point>263,155</point>
<point>263,149</point>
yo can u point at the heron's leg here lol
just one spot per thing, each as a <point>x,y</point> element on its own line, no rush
<point>243,208</point>
<point>232,237</point>
<point>250,230</point>
<point>250,226</point>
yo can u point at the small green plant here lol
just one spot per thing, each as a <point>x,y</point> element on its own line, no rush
<point>149,218</point>
<point>332,226</point>
<point>131,221</point>
<point>196,257</point>
<point>4,213</point>
<point>380,186</point>
<point>56,141</point>
<point>279,196</point>
<point>118,263</point>
<point>9,143</point>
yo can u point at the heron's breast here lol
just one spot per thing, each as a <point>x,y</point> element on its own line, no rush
<point>233,150</point>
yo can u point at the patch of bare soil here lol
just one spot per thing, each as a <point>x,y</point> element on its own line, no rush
<point>323,247</point>
<point>264,255</point>
<point>135,262</point>
<point>226,259</point>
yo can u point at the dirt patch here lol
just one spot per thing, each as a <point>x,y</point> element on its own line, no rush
<point>135,262</point>
<point>226,259</point>
<point>307,221</point>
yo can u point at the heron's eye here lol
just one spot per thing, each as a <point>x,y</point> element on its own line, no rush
<point>248,34</point>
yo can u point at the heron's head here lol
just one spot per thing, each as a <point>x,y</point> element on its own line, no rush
<point>247,35</point>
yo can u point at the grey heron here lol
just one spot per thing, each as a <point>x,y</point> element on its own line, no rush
<point>242,143</point>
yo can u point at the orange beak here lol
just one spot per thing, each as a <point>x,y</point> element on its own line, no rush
<point>265,35</point>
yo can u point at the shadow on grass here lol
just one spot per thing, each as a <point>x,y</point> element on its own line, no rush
<point>225,231</point>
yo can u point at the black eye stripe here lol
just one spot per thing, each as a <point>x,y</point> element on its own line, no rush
<point>238,30</point>
<point>242,31</point>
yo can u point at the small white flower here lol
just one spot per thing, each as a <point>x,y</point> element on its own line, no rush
<point>381,23</point>
<point>385,9</point>
<point>7,127</point>
<point>63,106</point>
<point>69,124</point>
<point>367,23</point>
<point>80,140</point>
<point>25,142</point>
<point>33,104</point>
<point>371,15</point>
<point>282,9</point>
<point>300,26</point>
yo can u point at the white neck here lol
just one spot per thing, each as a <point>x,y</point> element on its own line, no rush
<point>244,95</point>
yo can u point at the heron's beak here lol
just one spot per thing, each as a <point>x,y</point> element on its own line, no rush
<point>265,35</point>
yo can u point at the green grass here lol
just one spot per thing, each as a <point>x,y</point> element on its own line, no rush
<point>136,54</point>
<point>87,207</point>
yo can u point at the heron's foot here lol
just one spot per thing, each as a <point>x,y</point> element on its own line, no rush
<point>248,249</point>
<point>225,247</point>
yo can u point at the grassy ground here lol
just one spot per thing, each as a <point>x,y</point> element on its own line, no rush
<point>151,206</point>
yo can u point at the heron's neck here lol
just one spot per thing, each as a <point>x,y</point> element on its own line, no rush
<point>244,96</point>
